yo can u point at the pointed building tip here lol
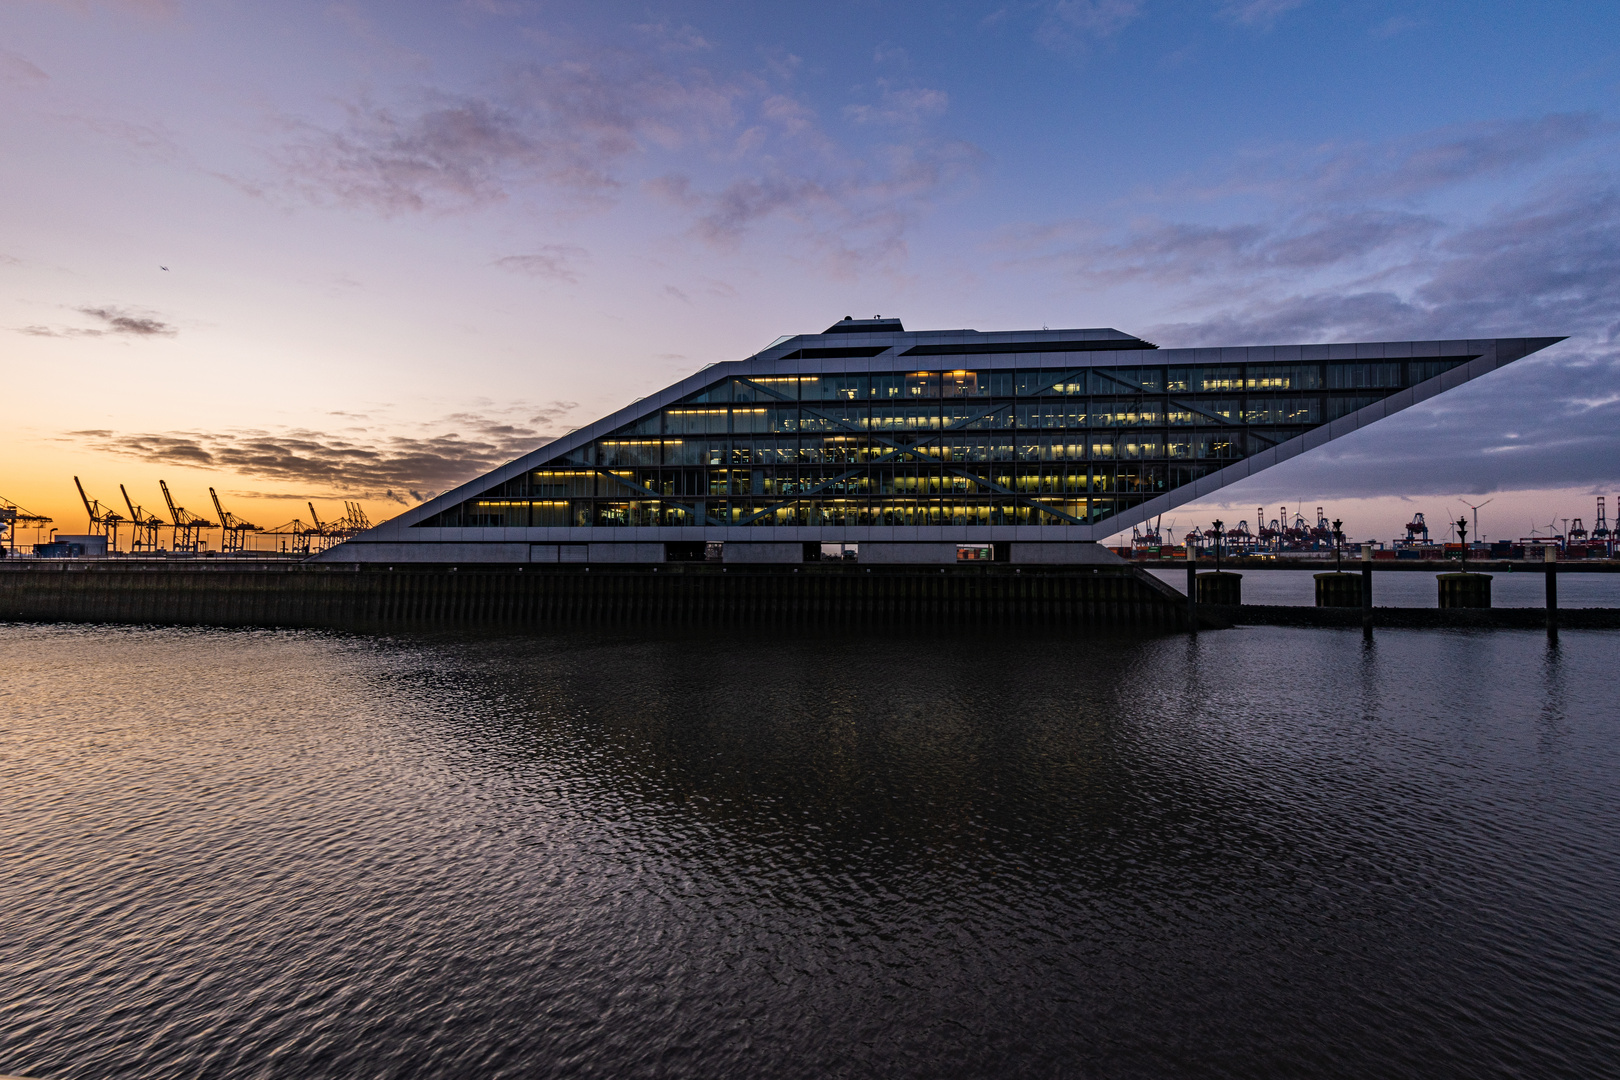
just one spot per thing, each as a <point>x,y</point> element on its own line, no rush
<point>1511,349</point>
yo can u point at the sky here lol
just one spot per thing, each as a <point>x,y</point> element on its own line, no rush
<point>326,251</point>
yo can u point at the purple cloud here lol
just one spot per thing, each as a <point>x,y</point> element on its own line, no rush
<point>114,321</point>
<point>554,261</point>
<point>355,462</point>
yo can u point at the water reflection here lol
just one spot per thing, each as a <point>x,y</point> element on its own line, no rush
<point>960,854</point>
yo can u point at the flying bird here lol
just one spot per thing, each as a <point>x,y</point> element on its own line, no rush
<point>163,268</point>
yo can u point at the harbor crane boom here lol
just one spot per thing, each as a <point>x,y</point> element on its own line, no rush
<point>141,523</point>
<point>187,526</point>
<point>11,516</point>
<point>104,521</point>
<point>233,530</point>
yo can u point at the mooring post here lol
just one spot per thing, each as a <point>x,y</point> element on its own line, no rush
<point>1192,588</point>
<point>1550,553</point>
<point>1366,591</point>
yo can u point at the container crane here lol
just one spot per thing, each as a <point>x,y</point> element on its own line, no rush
<point>300,534</point>
<point>1240,541</point>
<point>1415,528</point>
<point>351,524</point>
<point>187,526</point>
<point>356,517</point>
<point>104,521</point>
<point>233,530</point>
<point>142,524</point>
<point>12,516</point>
<point>1144,543</point>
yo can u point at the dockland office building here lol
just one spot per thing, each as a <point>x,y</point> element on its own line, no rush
<point>922,447</point>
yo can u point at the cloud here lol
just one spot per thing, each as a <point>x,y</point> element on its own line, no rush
<point>495,8</point>
<point>1068,19</point>
<point>1341,247</point>
<point>730,152</point>
<point>1257,12</point>
<point>149,142</point>
<point>357,462</point>
<point>549,261</point>
<point>1166,252</point>
<point>1396,25</point>
<point>1453,155</point>
<point>853,212</point>
<point>1406,169</point>
<point>568,125</point>
<point>1547,265</point>
<point>670,38</point>
<point>15,69</point>
<point>119,321</point>
<point>908,106</point>
<point>114,322</point>
<point>457,154</point>
<point>153,9</point>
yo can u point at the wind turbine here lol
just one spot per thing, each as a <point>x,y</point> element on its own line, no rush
<point>1475,509</point>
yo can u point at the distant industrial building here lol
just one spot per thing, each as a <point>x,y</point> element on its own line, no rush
<point>921,447</point>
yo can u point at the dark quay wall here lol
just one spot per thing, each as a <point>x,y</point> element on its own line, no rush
<point>368,596</point>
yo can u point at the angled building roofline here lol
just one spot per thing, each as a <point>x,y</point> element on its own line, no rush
<point>898,351</point>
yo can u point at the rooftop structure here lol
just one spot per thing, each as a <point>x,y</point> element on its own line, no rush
<point>912,444</point>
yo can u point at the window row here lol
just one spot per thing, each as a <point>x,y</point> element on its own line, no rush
<point>722,482</point>
<point>1060,381</point>
<point>1061,510</point>
<point>966,416</point>
<point>967,477</point>
<point>1013,447</point>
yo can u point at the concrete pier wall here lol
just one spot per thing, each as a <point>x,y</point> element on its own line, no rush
<point>377,595</point>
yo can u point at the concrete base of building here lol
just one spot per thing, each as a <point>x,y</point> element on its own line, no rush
<point>1064,554</point>
<point>871,553</point>
<point>735,552</point>
<point>880,554</point>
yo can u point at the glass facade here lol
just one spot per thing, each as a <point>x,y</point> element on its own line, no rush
<point>1048,445</point>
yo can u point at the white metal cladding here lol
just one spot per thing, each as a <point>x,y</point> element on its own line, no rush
<point>396,535</point>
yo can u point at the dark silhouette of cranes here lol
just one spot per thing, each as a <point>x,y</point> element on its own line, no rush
<point>11,517</point>
<point>104,520</point>
<point>187,526</point>
<point>233,530</point>
<point>143,525</point>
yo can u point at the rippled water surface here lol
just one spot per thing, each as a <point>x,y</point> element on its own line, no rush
<point>1265,852</point>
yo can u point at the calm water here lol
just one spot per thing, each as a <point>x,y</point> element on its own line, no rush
<point>1264,853</point>
<point>1415,588</point>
